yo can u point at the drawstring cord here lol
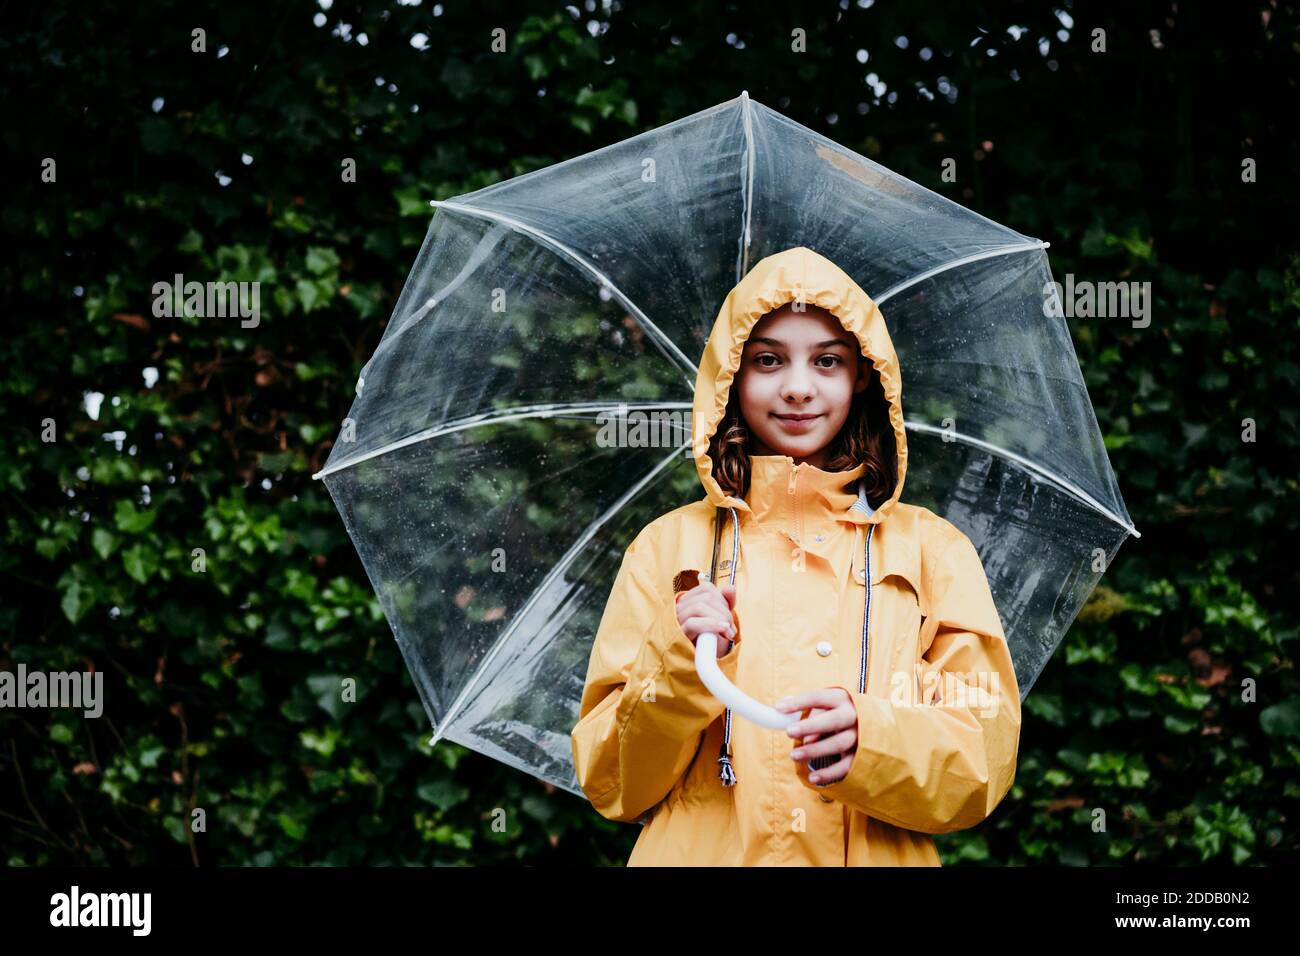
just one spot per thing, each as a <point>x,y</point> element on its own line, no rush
<point>726,771</point>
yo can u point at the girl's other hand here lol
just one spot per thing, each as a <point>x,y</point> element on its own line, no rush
<point>706,608</point>
<point>830,729</point>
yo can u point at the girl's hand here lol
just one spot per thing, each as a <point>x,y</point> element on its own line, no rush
<point>705,608</point>
<point>834,718</point>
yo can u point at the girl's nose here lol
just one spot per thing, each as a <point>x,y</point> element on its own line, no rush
<point>798,388</point>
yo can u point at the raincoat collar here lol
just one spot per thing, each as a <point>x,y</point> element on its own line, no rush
<point>862,504</point>
<point>818,501</point>
<point>797,274</point>
<point>775,482</point>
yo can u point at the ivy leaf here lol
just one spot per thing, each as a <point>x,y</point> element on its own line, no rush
<point>1281,720</point>
<point>76,601</point>
<point>293,828</point>
<point>322,259</point>
<point>328,691</point>
<point>411,201</point>
<point>103,541</point>
<point>443,794</point>
<point>140,562</point>
<point>308,294</point>
<point>130,520</point>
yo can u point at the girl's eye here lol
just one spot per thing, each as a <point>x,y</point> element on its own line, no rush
<point>758,360</point>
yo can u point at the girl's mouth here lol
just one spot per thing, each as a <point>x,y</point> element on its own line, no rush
<point>797,423</point>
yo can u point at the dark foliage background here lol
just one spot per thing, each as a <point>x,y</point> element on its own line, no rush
<point>224,683</point>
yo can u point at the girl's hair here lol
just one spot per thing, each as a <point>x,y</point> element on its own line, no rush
<point>867,436</point>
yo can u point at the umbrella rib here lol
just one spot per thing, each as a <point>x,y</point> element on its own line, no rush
<point>666,344</point>
<point>515,181</point>
<point>1063,483</point>
<point>499,416</point>
<point>957,264</point>
<point>560,567</point>
<point>476,258</point>
<point>742,263</point>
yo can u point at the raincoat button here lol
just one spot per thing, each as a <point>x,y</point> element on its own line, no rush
<point>862,574</point>
<point>824,648</point>
<point>820,538</point>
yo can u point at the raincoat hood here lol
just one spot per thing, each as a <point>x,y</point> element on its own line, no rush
<point>795,275</point>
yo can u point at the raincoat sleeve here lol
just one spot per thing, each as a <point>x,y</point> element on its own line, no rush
<point>943,760</point>
<point>644,709</point>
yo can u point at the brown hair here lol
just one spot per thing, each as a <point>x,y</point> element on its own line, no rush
<point>867,436</point>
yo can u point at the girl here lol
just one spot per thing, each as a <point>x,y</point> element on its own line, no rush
<point>869,617</point>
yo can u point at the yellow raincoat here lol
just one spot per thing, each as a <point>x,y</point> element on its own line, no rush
<point>931,757</point>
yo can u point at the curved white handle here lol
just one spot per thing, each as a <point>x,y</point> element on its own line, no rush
<point>706,664</point>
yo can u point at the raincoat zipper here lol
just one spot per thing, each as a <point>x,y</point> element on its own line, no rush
<point>794,501</point>
<point>866,610</point>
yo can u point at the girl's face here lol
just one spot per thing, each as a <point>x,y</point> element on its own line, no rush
<point>802,364</point>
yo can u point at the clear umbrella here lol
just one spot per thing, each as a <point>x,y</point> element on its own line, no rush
<point>527,410</point>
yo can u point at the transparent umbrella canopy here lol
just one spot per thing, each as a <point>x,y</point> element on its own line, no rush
<point>490,497</point>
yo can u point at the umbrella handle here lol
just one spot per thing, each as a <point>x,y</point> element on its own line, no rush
<point>706,664</point>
